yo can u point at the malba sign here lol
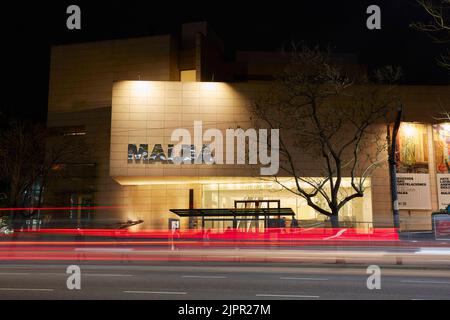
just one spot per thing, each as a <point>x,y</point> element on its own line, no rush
<point>211,146</point>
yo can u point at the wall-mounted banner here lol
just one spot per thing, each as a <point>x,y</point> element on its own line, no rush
<point>414,191</point>
<point>441,139</point>
<point>443,185</point>
<point>412,142</point>
<point>413,180</point>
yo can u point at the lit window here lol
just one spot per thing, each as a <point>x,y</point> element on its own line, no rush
<point>68,131</point>
<point>188,75</point>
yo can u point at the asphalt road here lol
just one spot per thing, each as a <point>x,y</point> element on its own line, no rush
<point>217,280</point>
<point>436,257</point>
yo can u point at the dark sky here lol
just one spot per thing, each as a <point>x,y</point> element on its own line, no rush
<point>28,31</point>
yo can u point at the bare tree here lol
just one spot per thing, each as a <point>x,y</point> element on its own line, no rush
<point>438,27</point>
<point>29,155</point>
<point>20,155</point>
<point>330,125</point>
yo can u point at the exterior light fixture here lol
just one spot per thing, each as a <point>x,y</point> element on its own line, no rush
<point>409,130</point>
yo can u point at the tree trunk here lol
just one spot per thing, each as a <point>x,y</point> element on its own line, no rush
<point>12,214</point>
<point>334,219</point>
<point>13,200</point>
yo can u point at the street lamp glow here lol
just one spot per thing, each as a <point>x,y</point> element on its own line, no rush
<point>446,127</point>
<point>140,88</point>
<point>409,130</point>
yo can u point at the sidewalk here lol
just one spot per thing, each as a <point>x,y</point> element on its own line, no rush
<point>418,236</point>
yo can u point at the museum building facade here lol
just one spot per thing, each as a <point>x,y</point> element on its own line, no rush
<point>126,98</point>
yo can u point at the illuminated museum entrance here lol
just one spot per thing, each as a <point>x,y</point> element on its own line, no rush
<point>152,201</point>
<point>357,213</point>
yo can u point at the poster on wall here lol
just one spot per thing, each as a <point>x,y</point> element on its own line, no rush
<point>443,186</point>
<point>413,180</point>
<point>413,191</point>
<point>441,138</point>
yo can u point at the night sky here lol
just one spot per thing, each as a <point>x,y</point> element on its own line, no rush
<point>28,31</point>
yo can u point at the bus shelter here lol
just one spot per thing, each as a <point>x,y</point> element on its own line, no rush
<point>239,218</point>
